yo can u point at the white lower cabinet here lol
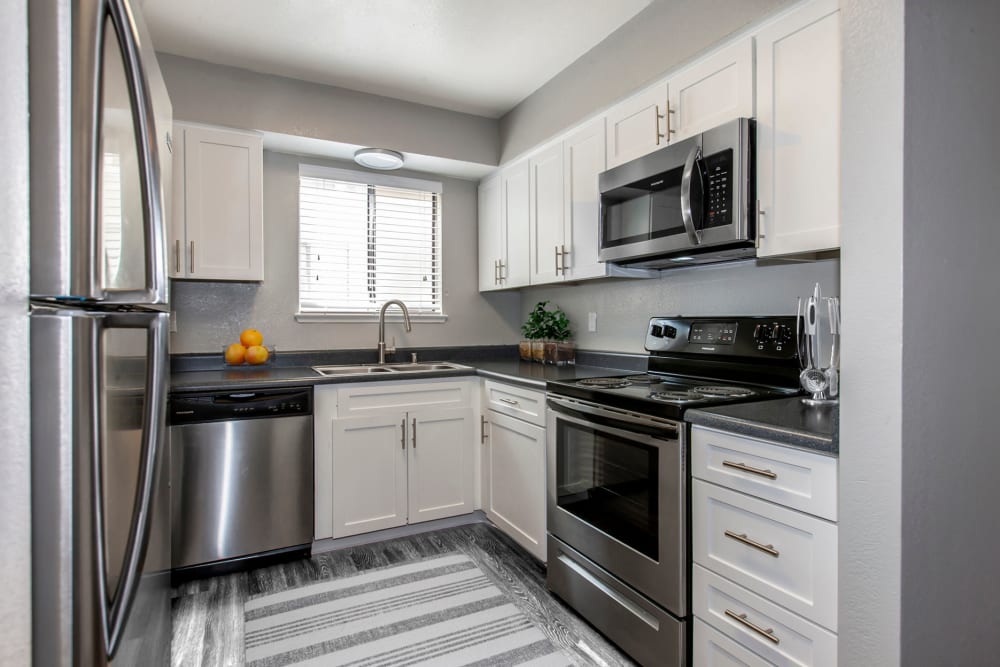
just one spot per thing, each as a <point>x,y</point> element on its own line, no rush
<point>514,464</point>
<point>392,453</point>
<point>764,580</point>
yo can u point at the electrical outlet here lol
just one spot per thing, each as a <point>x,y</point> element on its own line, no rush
<point>591,322</point>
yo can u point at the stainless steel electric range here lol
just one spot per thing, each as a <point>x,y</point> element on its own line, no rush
<point>618,473</point>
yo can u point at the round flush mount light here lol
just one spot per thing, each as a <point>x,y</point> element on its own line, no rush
<point>378,158</point>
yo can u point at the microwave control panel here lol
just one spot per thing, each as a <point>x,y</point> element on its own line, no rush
<point>718,188</point>
<point>770,337</point>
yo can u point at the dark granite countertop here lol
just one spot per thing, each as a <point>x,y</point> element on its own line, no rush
<point>207,373</point>
<point>787,421</point>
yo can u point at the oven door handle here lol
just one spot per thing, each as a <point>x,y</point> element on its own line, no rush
<point>667,427</point>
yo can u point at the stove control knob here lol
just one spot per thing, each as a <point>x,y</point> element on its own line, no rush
<point>656,331</point>
<point>669,331</point>
<point>781,334</point>
<point>761,334</point>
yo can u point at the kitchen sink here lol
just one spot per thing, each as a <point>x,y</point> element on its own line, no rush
<point>386,369</point>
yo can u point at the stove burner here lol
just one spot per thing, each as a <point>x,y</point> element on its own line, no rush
<point>676,396</point>
<point>644,378</point>
<point>604,383</point>
<point>724,392</point>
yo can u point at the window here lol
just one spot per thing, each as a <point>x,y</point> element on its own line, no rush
<point>364,239</point>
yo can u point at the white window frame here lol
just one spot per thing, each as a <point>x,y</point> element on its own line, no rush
<point>367,178</point>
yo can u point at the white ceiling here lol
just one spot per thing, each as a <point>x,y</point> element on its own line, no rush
<point>476,56</point>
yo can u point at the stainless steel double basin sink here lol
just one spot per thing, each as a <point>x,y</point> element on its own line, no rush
<point>388,369</point>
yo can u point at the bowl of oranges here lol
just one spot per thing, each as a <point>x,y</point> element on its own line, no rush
<point>250,350</point>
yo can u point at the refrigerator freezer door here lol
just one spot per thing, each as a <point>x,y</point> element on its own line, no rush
<point>100,499</point>
<point>100,155</point>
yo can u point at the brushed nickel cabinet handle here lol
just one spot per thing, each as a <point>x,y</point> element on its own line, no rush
<point>496,272</point>
<point>742,618</point>
<point>669,129</point>
<point>509,401</point>
<point>760,221</point>
<point>750,469</point>
<point>413,433</point>
<point>192,256</point>
<point>402,434</point>
<point>658,117</point>
<point>742,537</point>
<point>562,259</point>
<point>177,256</point>
<point>556,248</point>
<point>503,271</point>
<point>482,429</point>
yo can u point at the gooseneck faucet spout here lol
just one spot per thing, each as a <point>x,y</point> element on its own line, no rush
<point>382,349</point>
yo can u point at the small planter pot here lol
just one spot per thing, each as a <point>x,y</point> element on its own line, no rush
<point>560,353</point>
<point>538,351</point>
<point>524,350</point>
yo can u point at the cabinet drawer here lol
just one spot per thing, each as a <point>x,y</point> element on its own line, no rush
<point>526,404</point>
<point>746,617</point>
<point>373,397</point>
<point>711,648</point>
<point>781,554</point>
<point>791,477</point>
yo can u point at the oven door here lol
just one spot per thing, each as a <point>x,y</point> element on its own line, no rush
<point>617,493</point>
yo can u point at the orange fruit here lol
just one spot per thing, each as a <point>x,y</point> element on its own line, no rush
<point>257,354</point>
<point>235,354</point>
<point>251,337</point>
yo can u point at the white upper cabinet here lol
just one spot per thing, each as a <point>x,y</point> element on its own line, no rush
<point>217,230</point>
<point>491,234</point>
<point>712,91</point>
<point>583,161</point>
<point>546,219</point>
<point>514,214</point>
<point>504,212</point>
<point>798,131</point>
<point>638,126</point>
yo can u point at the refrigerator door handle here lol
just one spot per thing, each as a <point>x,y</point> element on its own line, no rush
<point>115,606</point>
<point>155,290</point>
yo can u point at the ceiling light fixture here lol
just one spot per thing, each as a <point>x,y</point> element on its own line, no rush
<point>378,158</point>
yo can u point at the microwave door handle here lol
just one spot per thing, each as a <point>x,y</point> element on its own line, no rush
<point>689,168</point>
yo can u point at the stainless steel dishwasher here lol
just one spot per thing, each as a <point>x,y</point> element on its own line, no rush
<point>241,479</point>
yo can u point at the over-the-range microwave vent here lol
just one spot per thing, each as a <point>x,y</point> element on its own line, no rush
<point>678,260</point>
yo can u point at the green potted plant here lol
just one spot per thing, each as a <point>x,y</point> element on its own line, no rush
<point>533,330</point>
<point>547,333</point>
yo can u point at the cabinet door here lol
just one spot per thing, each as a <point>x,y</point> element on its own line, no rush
<point>177,236</point>
<point>637,126</point>
<point>514,211</point>
<point>798,131</point>
<point>441,449</point>
<point>491,234</point>
<point>223,204</point>
<point>716,89</point>
<point>545,221</point>
<point>515,487</point>
<point>369,473</point>
<point>583,161</point>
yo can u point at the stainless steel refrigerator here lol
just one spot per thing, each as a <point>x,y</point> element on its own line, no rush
<point>100,167</point>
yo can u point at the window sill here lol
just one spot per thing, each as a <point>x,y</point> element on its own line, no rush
<point>392,316</point>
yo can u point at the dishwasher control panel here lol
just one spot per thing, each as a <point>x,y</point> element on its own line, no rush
<point>244,404</point>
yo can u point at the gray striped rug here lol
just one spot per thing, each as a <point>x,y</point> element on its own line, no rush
<point>440,611</point>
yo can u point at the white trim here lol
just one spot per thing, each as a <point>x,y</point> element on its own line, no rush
<point>307,318</point>
<point>368,178</point>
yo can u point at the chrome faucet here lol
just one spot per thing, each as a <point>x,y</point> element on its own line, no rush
<point>382,349</point>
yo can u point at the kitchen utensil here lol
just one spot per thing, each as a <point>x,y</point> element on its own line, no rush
<point>815,381</point>
<point>833,370</point>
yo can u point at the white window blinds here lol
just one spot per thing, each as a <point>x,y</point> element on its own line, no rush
<point>365,239</point>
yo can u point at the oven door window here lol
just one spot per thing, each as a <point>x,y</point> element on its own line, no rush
<point>609,482</point>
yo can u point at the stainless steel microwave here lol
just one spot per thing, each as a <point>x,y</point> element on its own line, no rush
<point>688,203</point>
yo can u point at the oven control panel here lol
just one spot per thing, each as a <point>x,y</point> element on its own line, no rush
<point>768,337</point>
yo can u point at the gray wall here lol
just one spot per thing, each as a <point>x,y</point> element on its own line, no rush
<point>951,319</point>
<point>624,306</point>
<point>872,288</point>
<point>211,314</point>
<point>15,502</point>
<point>656,40</point>
<point>233,97</point>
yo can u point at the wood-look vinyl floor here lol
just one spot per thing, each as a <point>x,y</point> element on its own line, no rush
<point>208,613</point>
